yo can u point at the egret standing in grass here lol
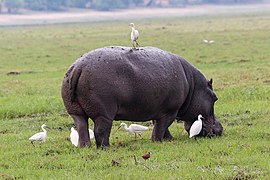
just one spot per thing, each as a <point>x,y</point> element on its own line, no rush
<point>196,127</point>
<point>134,128</point>
<point>74,136</point>
<point>134,35</point>
<point>41,136</point>
<point>91,133</point>
<point>208,41</point>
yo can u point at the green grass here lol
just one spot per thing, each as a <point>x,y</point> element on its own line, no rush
<point>238,62</point>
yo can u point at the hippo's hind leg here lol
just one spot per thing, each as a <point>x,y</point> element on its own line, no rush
<point>102,131</point>
<point>81,123</point>
<point>161,130</point>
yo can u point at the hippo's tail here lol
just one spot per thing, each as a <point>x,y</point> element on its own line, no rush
<point>73,81</point>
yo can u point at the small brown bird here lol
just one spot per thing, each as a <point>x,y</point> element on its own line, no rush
<point>146,156</point>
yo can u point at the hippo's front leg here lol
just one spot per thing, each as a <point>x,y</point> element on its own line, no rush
<point>81,123</point>
<point>160,130</point>
<point>167,135</point>
<point>102,131</point>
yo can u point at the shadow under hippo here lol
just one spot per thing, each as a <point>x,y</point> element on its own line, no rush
<point>120,83</point>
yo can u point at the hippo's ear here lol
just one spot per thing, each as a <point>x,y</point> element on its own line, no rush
<point>210,83</point>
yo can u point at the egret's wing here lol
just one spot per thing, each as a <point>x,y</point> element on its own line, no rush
<point>195,129</point>
<point>137,127</point>
<point>74,138</point>
<point>38,137</point>
<point>136,34</point>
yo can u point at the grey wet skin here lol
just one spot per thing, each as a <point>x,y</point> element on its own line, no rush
<point>120,83</point>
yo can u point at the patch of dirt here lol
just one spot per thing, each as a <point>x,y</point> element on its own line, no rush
<point>244,60</point>
<point>13,73</point>
<point>17,73</point>
<point>266,81</point>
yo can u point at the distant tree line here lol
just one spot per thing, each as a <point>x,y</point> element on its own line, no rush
<point>13,6</point>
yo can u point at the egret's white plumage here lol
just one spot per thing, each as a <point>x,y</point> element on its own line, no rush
<point>208,41</point>
<point>41,136</point>
<point>91,133</point>
<point>134,35</point>
<point>205,41</point>
<point>196,127</point>
<point>134,128</point>
<point>74,136</point>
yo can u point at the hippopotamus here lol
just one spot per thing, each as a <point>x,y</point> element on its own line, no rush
<point>147,83</point>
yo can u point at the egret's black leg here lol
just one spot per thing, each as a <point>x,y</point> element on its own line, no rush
<point>137,44</point>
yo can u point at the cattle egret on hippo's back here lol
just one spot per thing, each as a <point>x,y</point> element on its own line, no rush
<point>134,128</point>
<point>196,127</point>
<point>41,136</point>
<point>134,35</point>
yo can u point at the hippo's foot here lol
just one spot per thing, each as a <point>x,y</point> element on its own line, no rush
<point>102,131</point>
<point>102,143</point>
<point>103,147</point>
<point>167,135</point>
<point>85,144</point>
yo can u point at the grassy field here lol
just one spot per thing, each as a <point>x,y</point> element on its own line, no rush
<point>34,60</point>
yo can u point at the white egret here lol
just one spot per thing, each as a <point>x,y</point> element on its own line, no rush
<point>74,136</point>
<point>208,41</point>
<point>91,133</point>
<point>41,136</point>
<point>205,41</point>
<point>134,128</point>
<point>134,35</point>
<point>196,127</point>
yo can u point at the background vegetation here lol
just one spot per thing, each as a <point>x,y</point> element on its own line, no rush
<point>14,6</point>
<point>34,60</point>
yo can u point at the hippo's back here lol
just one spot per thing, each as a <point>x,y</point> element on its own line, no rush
<point>125,83</point>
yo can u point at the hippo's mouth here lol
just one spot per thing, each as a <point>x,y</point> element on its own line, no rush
<point>207,129</point>
<point>211,126</point>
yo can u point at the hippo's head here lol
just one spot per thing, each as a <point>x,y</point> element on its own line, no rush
<point>202,101</point>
